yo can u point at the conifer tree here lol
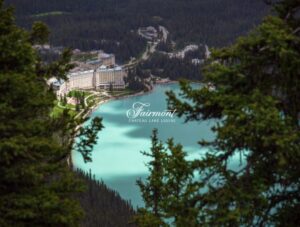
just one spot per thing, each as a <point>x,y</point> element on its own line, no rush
<point>152,190</point>
<point>169,189</point>
<point>254,98</point>
<point>111,87</point>
<point>180,187</point>
<point>65,100</point>
<point>36,183</point>
<point>256,101</point>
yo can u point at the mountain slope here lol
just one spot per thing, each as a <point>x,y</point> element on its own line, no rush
<point>112,24</point>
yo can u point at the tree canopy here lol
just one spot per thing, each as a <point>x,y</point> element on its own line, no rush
<point>112,25</point>
<point>37,186</point>
<point>251,89</point>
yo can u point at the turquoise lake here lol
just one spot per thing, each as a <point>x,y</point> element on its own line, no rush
<point>117,158</point>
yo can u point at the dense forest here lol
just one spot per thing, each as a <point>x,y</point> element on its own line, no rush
<point>103,206</point>
<point>173,68</point>
<point>112,24</point>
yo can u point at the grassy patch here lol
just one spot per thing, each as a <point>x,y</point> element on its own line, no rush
<point>58,111</point>
<point>122,93</point>
<point>73,93</point>
<point>93,100</point>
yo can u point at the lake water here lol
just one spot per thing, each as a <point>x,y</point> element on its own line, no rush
<point>117,158</point>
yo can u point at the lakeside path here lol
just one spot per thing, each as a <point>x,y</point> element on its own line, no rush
<point>109,98</point>
<point>125,96</point>
<point>96,106</point>
<point>140,93</point>
<point>122,96</point>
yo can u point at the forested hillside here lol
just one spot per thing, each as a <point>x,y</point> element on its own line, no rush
<point>111,24</point>
<point>103,206</point>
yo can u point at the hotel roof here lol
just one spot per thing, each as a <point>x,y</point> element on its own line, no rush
<point>79,73</point>
<point>103,68</point>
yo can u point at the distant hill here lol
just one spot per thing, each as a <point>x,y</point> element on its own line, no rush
<point>111,24</point>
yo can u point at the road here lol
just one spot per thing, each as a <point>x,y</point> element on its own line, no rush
<point>165,33</point>
<point>151,48</point>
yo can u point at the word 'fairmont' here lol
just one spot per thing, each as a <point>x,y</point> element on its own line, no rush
<point>139,110</point>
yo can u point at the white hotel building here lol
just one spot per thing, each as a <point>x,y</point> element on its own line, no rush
<point>101,78</point>
<point>81,80</point>
<point>101,73</point>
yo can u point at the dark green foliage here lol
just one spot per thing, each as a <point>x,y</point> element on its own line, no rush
<point>77,107</point>
<point>79,96</point>
<point>165,46</point>
<point>39,33</point>
<point>36,184</point>
<point>253,95</point>
<point>102,206</point>
<point>112,24</point>
<point>168,191</point>
<point>64,101</point>
<point>153,191</point>
<point>111,87</point>
<point>162,66</point>
<point>88,137</point>
<point>135,81</point>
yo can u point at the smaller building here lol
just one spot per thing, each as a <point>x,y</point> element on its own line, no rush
<point>58,86</point>
<point>103,59</point>
<point>106,59</point>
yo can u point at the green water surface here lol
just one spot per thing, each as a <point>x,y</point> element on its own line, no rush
<point>117,158</point>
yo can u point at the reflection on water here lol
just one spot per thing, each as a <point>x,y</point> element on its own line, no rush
<point>117,158</point>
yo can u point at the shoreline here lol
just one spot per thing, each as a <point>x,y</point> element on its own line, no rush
<point>140,93</point>
<point>97,105</point>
